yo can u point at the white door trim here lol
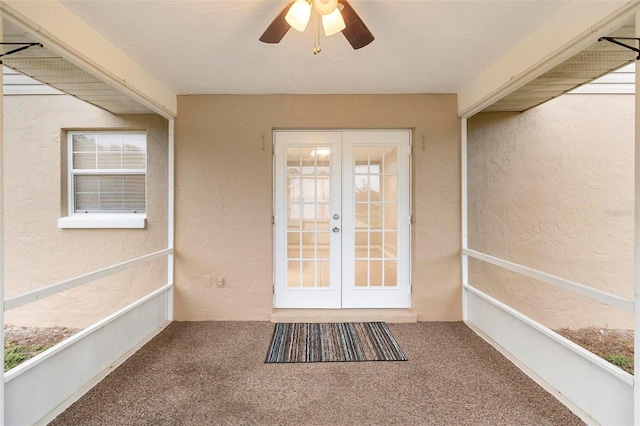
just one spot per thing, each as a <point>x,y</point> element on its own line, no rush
<point>342,292</point>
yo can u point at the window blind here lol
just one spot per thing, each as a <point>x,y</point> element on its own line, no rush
<point>108,172</point>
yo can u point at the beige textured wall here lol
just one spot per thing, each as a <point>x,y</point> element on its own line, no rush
<point>224,195</point>
<point>37,251</point>
<point>552,189</point>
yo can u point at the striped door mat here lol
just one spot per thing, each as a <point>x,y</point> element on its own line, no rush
<point>310,342</point>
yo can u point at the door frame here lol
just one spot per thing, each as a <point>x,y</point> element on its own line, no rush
<point>409,198</point>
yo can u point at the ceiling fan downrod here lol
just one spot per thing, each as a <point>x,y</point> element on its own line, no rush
<point>316,48</point>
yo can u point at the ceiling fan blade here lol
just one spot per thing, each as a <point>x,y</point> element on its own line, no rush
<point>356,32</point>
<point>278,27</point>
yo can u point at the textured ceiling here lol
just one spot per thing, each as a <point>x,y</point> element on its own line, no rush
<point>212,47</point>
<point>197,47</point>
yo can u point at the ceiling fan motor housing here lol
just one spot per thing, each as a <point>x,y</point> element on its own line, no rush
<point>325,7</point>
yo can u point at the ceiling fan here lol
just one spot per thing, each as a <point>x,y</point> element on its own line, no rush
<point>337,16</point>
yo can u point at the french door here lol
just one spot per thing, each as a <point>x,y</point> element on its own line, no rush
<point>342,219</point>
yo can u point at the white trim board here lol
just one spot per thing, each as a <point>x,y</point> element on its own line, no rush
<point>601,391</point>
<point>38,389</point>
<point>73,39</point>
<point>576,27</point>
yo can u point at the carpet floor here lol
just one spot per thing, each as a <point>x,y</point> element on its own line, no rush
<point>213,373</point>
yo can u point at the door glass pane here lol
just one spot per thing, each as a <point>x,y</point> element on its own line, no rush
<point>390,160</point>
<point>293,161</point>
<point>322,250</point>
<point>390,273</point>
<point>323,274</point>
<point>390,216</point>
<point>375,160</point>
<point>362,216</point>
<point>293,273</point>
<point>390,189</point>
<point>391,244</point>
<point>308,161</point>
<point>362,245</point>
<point>323,239</point>
<point>376,215</point>
<point>308,209</point>
<point>293,244</point>
<point>361,188</point>
<point>322,214</point>
<point>294,216</point>
<point>375,244</point>
<point>361,155</point>
<point>375,279</point>
<point>308,273</point>
<point>361,271</point>
<point>323,161</point>
<point>308,252</point>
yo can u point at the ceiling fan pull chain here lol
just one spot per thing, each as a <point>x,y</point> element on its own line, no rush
<point>316,49</point>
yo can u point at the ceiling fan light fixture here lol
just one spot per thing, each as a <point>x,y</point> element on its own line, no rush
<point>333,23</point>
<point>299,15</point>
<point>325,7</point>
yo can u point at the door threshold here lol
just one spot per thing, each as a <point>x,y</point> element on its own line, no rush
<point>344,315</point>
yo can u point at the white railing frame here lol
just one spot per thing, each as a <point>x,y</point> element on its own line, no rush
<point>171,213</point>
<point>605,365</point>
<point>636,251</point>
<point>2,265</point>
<point>30,363</point>
<point>464,217</point>
<point>581,289</point>
<point>58,287</point>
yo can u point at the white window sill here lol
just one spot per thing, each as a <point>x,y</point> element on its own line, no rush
<point>103,220</point>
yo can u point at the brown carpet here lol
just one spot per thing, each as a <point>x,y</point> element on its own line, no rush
<point>209,373</point>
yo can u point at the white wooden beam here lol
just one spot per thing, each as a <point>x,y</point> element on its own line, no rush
<point>636,255</point>
<point>171,216</point>
<point>2,417</point>
<point>464,217</point>
<point>67,35</point>
<point>61,286</point>
<point>570,31</point>
<point>581,289</point>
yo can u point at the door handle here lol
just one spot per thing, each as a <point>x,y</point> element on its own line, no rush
<point>336,229</point>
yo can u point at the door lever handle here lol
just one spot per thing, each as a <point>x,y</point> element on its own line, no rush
<point>336,229</point>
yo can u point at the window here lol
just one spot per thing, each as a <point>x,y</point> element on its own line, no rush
<point>107,179</point>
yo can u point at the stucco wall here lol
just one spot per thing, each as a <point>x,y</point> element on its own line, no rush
<point>224,195</point>
<point>37,252</point>
<point>552,189</point>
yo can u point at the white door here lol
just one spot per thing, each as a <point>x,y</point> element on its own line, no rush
<point>342,219</point>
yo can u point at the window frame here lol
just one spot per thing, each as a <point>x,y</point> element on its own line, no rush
<point>102,218</point>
